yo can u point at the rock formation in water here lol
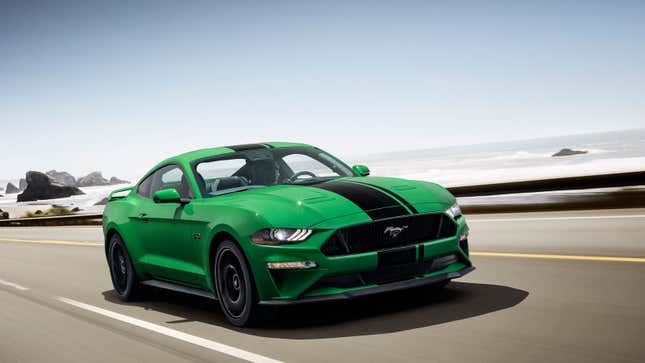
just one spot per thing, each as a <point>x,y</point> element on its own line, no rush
<point>42,186</point>
<point>569,152</point>
<point>92,179</point>
<point>115,180</point>
<point>11,189</point>
<point>62,177</point>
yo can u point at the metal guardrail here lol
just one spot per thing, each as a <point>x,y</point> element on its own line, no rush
<point>528,186</point>
<point>72,219</point>
<point>545,185</point>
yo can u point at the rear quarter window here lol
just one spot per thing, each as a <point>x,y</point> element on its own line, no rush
<point>144,187</point>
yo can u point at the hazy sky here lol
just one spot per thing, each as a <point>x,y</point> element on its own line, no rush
<point>117,87</point>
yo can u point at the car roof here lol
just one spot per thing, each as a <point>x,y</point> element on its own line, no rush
<point>187,157</point>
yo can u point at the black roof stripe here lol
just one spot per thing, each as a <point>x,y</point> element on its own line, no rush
<point>375,203</point>
<point>244,147</point>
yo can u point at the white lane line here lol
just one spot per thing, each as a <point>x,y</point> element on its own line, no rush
<point>555,218</point>
<point>204,343</point>
<point>11,284</point>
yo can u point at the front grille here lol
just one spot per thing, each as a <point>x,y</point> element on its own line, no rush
<point>389,233</point>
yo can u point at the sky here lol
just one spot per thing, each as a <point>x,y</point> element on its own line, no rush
<point>118,86</point>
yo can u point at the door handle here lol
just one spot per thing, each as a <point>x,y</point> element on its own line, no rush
<point>142,216</point>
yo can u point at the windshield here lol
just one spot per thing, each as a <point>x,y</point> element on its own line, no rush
<point>255,168</point>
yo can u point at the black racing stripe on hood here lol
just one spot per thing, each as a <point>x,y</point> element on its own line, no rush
<point>375,203</point>
<point>389,212</point>
<point>397,196</point>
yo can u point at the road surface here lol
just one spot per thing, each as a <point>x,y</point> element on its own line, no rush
<point>549,287</point>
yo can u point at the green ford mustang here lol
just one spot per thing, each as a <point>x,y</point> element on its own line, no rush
<point>279,223</point>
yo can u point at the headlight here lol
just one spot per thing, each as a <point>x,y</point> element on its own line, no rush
<point>278,236</point>
<point>454,211</point>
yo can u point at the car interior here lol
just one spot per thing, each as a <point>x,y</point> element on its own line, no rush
<point>254,172</point>
<point>260,167</point>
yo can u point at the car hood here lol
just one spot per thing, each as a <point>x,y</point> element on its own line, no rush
<point>367,197</point>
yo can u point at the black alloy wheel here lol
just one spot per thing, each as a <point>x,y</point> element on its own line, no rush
<point>234,284</point>
<point>124,277</point>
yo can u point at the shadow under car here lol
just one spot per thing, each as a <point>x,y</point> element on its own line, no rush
<point>379,314</point>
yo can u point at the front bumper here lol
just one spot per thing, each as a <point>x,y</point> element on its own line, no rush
<point>280,287</point>
<point>394,286</point>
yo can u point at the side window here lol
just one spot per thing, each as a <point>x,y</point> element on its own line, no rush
<point>170,176</point>
<point>220,168</point>
<point>217,176</point>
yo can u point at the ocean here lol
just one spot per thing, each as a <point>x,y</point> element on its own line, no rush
<point>607,152</point>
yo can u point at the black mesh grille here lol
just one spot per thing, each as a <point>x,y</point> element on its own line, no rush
<point>389,233</point>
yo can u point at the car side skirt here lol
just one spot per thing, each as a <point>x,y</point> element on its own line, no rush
<point>395,286</point>
<point>179,288</point>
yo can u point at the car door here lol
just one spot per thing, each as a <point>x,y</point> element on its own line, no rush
<point>171,252</point>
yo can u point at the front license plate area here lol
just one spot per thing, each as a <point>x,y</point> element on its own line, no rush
<point>394,265</point>
<point>399,256</point>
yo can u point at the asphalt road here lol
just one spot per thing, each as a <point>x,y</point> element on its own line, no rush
<point>537,296</point>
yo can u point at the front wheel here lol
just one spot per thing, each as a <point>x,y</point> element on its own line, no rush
<point>124,278</point>
<point>235,288</point>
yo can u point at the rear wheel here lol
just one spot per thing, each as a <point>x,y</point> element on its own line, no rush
<point>124,278</point>
<point>235,287</point>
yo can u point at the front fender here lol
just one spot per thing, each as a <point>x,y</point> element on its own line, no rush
<point>238,223</point>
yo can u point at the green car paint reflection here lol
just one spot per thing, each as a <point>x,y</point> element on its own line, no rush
<point>279,223</point>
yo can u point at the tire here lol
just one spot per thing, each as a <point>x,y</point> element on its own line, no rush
<point>124,277</point>
<point>235,286</point>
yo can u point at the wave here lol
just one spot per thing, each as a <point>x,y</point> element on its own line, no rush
<point>520,155</point>
<point>84,202</point>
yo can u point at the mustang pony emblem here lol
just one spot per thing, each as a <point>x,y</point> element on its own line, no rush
<point>394,231</point>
